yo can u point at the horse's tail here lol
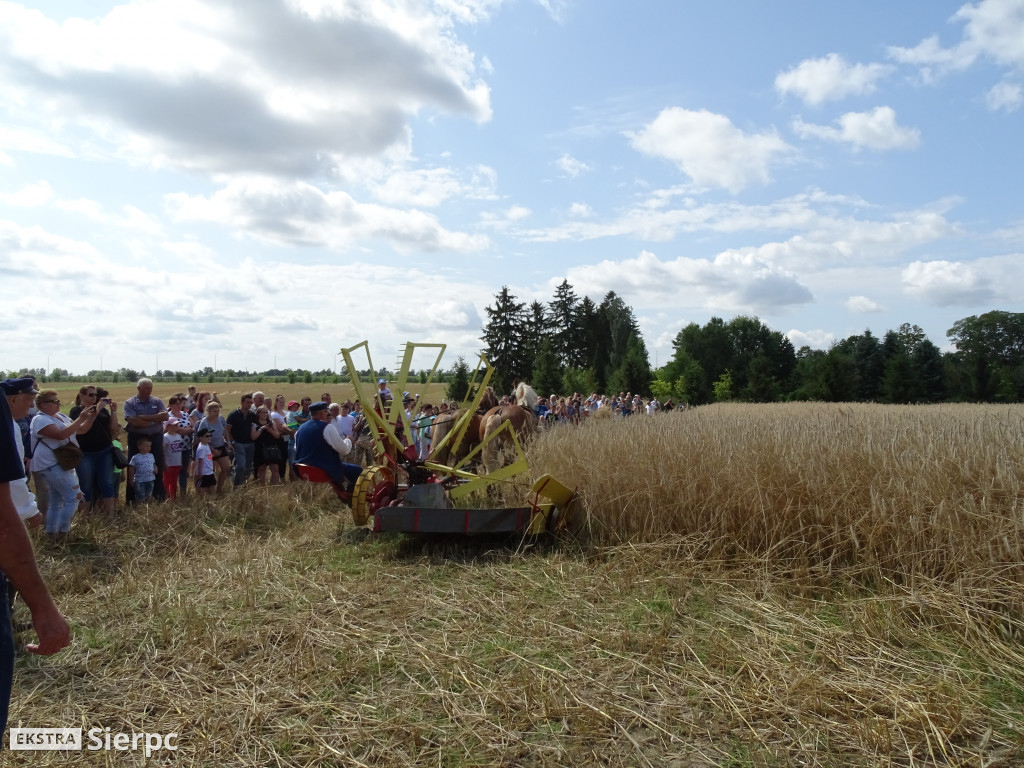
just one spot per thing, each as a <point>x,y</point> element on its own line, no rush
<point>489,423</point>
<point>442,426</point>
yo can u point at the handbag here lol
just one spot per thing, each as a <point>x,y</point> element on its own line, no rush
<point>68,456</point>
<point>120,460</point>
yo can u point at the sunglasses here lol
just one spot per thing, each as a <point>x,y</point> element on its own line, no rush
<point>44,402</point>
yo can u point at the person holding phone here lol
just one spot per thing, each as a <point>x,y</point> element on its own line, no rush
<point>51,430</point>
<point>96,472</point>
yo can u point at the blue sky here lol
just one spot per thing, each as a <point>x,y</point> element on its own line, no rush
<point>263,183</point>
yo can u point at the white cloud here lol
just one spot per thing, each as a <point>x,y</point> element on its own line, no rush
<point>275,87</point>
<point>710,149</point>
<point>738,282</point>
<point>298,213</point>
<point>426,188</point>
<point>581,211</point>
<point>815,339</point>
<point>947,283</point>
<point>29,196</point>
<point>570,166</point>
<point>862,305</point>
<point>829,78</point>
<point>993,29</point>
<point>1006,95</point>
<point>876,130</point>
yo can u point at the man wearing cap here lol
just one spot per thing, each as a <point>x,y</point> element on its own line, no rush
<point>21,394</point>
<point>382,390</point>
<point>146,415</point>
<point>319,444</point>
<point>18,564</point>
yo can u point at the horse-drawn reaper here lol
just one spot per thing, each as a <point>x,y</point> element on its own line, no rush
<point>401,492</point>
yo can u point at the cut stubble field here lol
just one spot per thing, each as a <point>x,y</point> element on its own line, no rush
<point>740,586</point>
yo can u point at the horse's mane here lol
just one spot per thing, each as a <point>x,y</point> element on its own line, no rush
<point>526,396</point>
<point>489,400</point>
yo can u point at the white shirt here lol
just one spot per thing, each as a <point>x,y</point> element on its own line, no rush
<point>345,424</point>
<point>43,456</point>
<point>24,500</point>
<point>335,439</point>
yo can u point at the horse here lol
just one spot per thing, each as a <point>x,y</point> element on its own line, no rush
<point>446,422</point>
<point>522,417</point>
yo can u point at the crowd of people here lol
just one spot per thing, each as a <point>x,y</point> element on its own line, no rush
<point>159,451</point>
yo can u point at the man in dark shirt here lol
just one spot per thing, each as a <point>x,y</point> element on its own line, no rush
<point>18,563</point>
<point>239,432</point>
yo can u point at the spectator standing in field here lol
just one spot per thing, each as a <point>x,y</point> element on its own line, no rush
<point>96,472</point>
<point>199,410</point>
<point>267,440</point>
<point>38,481</point>
<point>205,480</point>
<point>142,470</point>
<point>174,461</point>
<point>145,416</point>
<point>293,424</point>
<point>18,564</point>
<point>279,415</point>
<point>303,415</point>
<point>118,472</point>
<point>21,395</point>
<point>217,426</point>
<point>183,423</point>
<point>190,400</point>
<point>240,438</point>
<point>51,429</point>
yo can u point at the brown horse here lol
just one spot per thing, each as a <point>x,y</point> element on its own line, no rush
<point>522,417</point>
<point>446,422</point>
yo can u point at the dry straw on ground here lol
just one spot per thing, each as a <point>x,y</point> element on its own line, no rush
<point>266,633</point>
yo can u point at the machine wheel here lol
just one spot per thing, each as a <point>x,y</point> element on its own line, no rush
<point>556,519</point>
<point>374,489</point>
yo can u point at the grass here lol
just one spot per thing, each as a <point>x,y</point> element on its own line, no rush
<point>266,632</point>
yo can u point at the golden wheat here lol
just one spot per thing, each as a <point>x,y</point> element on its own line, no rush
<point>898,490</point>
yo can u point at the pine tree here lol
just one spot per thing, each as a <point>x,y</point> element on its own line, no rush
<point>547,373</point>
<point>537,328</point>
<point>505,340</point>
<point>564,324</point>
<point>458,381</point>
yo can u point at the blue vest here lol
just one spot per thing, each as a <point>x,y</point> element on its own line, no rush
<point>312,449</point>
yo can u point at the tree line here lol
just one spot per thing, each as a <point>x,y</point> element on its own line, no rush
<point>572,345</point>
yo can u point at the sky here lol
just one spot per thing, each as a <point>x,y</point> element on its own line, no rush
<point>257,184</point>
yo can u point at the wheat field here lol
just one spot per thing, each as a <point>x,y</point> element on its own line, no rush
<point>740,586</point>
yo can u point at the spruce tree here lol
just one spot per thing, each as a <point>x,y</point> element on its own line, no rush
<point>505,341</point>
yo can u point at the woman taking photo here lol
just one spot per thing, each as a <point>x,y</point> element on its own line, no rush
<point>217,425</point>
<point>96,472</point>
<point>268,447</point>
<point>51,430</point>
<point>287,440</point>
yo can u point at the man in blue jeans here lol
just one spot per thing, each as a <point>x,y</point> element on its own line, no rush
<point>239,437</point>
<point>18,563</point>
